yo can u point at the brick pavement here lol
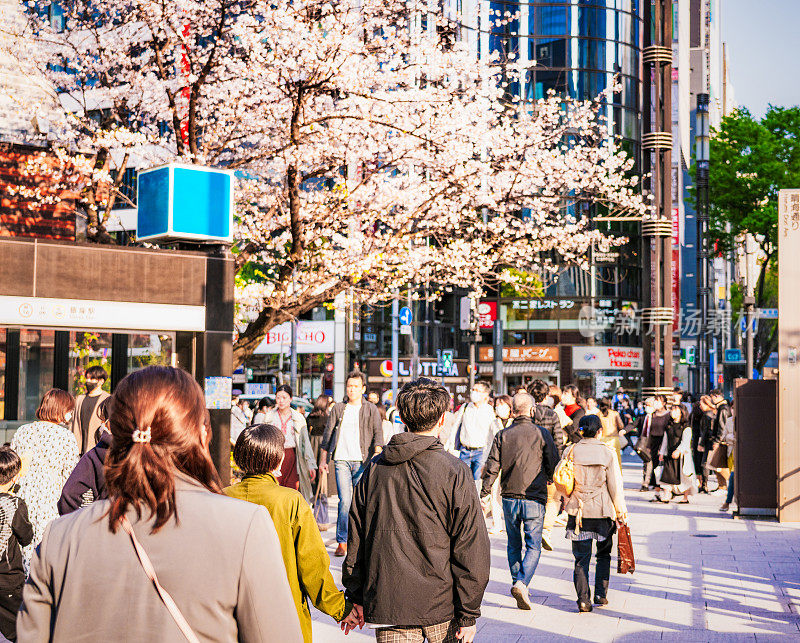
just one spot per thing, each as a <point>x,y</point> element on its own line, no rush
<point>701,576</point>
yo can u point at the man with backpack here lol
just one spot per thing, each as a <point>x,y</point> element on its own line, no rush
<point>527,456</point>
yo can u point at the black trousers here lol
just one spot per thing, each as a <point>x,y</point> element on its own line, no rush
<point>10,600</point>
<point>582,550</point>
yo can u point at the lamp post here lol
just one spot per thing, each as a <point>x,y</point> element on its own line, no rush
<point>702,142</point>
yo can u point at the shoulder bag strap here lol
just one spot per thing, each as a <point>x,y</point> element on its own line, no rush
<point>144,559</point>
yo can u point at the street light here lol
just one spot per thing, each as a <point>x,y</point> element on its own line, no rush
<point>702,143</point>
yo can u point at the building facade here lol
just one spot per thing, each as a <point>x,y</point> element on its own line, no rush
<point>577,49</point>
<point>700,68</point>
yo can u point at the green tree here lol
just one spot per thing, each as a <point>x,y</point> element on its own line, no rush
<point>751,161</point>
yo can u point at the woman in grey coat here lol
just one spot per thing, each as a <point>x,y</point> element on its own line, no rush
<point>217,557</point>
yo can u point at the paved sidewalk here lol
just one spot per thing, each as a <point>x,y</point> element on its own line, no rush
<point>700,576</point>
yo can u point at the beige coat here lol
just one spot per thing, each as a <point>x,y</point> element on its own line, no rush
<point>94,422</point>
<point>598,481</point>
<point>221,563</point>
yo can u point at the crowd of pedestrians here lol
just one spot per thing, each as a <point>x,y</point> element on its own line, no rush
<point>147,523</point>
<point>687,447</point>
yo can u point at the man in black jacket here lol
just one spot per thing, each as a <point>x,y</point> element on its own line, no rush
<point>354,434</point>
<point>548,419</point>
<point>527,456</point>
<point>418,553</point>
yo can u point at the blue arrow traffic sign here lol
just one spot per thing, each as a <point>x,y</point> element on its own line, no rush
<point>405,316</point>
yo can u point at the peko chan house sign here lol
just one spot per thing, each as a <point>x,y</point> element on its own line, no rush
<point>607,358</point>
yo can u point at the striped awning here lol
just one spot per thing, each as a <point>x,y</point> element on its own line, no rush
<point>520,368</point>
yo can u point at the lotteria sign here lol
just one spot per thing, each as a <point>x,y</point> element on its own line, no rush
<point>612,358</point>
<point>427,368</point>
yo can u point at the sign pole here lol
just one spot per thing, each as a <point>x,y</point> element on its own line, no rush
<point>293,362</point>
<point>475,334</point>
<point>395,345</point>
<point>497,371</point>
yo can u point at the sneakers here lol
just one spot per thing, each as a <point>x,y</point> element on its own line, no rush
<point>547,544</point>
<point>520,592</point>
<point>600,600</point>
<point>584,607</point>
<point>341,550</point>
<point>725,506</point>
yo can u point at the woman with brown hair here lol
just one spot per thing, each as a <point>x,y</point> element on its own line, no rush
<point>49,453</point>
<point>299,469</point>
<point>179,560</point>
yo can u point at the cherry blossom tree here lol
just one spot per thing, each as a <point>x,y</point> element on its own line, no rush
<point>373,151</point>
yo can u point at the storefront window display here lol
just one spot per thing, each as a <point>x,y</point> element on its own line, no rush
<point>36,359</point>
<point>88,348</point>
<point>149,350</point>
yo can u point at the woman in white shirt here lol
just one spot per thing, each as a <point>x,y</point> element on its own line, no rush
<point>299,467</point>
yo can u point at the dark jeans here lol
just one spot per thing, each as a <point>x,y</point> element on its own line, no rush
<point>582,550</point>
<point>474,459</point>
<point>729,498</point>
<point>523,516</point>
<point>347,476</point>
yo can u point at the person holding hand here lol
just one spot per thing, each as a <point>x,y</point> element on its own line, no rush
<point>418,555</point>
<point>259,453</point>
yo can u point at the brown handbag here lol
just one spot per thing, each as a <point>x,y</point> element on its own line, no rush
<point>625,561</point>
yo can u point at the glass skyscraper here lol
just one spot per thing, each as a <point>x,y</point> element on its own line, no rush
<point>574,48</point>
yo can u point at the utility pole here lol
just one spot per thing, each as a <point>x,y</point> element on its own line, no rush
<point>704,379</point>
<point>395,344</point>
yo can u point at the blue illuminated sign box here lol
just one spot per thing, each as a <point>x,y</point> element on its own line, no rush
<point>190,202</point>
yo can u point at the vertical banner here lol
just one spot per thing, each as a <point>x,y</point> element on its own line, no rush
<point>788,473</point>
<point>676,271</point>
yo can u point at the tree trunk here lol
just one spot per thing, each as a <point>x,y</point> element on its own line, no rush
<point>95,228</point>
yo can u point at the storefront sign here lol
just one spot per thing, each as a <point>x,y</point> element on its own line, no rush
<point>312,337</point>
<point>487,313</point>
<point>520,353</point>
<point>427,368</point>
<point>611,358</point>
<point>100,315</point>
<point>260,389</point>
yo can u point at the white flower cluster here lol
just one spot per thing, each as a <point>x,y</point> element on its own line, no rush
<point>372,154</point>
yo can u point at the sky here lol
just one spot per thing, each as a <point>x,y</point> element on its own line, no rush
<point>763,46</point>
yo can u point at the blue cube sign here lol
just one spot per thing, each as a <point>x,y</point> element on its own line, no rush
<point>189,202</point>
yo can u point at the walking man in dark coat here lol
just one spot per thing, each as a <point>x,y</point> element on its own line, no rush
<point>418,551</point>
<point>527,456</point>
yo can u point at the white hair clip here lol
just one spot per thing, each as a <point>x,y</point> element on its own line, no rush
<point>141,436</point>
